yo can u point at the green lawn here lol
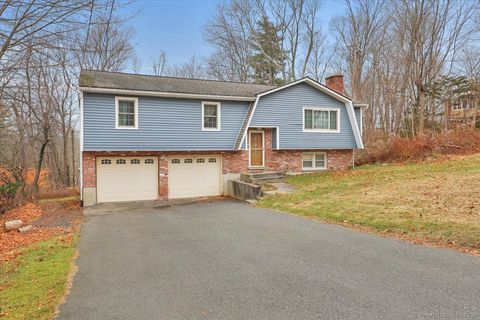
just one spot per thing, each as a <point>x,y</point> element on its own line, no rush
<point>33,284</point>
<point>438,202</point>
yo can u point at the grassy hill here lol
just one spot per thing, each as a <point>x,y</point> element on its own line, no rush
<point>435,202</point>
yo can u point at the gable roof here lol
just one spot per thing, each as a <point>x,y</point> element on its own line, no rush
<point>349,104</point>
<point>92,79</point>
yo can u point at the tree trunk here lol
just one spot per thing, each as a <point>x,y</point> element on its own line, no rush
<point>421,105</point>
<point>66,169</point>
<point>74,170</point>
<point>38,168</point>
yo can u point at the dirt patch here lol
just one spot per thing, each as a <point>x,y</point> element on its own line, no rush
<point>49,219</point>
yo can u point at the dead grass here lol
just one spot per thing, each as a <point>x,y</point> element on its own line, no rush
<point>435,202</point>
<point>381,148</point>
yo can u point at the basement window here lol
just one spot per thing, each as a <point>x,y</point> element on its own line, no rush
<point>314,161</point>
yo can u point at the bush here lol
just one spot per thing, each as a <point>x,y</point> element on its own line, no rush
<point>380,147</point>
<point>8,193</point>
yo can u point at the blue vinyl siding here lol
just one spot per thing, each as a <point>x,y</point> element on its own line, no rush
<point>285,110</point>
<point>163,124</point>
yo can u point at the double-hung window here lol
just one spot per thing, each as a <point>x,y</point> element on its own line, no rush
<point>321,120</point>
<point>210,116</point>
<point>314,161</point>
<point>126,115</point>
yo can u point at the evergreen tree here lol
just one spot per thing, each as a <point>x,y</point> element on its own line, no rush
<point>268,58</point>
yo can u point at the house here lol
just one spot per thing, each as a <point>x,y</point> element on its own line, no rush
<point>147,137</point>
<point>463,109</point>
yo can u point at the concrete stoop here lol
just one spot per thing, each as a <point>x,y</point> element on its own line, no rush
<point>252,186</point>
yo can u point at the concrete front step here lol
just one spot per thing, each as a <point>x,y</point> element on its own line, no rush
<point>262,177</point>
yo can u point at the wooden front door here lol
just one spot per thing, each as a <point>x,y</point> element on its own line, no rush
<point>256,148</point>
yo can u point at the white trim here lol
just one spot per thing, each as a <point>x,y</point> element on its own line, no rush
<point>278,138</point>
<point>219,116</point>
<point>361,121</point>
<point>165,94</point>
<point>80,176</point>
<point>270,127</point>
<point>135,103</point>
<point>353,123</point>
<point>321,109</point>
<point>325,167</point>
<point>263,150</point>
<point>324,89</point>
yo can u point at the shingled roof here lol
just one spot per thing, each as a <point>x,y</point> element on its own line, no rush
<point>139,82</point>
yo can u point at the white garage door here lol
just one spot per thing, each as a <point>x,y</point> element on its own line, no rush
<point>126,179</point>
<point>197,176</point>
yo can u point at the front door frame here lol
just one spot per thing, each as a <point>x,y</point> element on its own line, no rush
<point>250,148</point>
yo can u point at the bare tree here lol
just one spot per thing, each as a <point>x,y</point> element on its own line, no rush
<point>158,65</point>
<point>193,69</point>
<point>135,63</point>
<point>232,32</point>
<point>434,31</point>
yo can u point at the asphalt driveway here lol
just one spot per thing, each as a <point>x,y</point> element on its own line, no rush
<point>227,260</point>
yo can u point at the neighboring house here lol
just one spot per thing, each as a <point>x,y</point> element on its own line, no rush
<point>463,110</point>
<point>147,137</point>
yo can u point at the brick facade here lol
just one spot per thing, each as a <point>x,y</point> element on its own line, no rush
<point>232,161</point>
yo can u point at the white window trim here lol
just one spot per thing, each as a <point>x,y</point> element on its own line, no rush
<point>313,161</point>
<point>321,109</point>
<point>117,100</point>
<point>250,150</point>
<point>218,104</point>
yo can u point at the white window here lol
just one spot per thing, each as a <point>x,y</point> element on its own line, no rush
<point>210,116</point>
<point>126,114</point>
<point>121,161</point>
<point>314,161</point>
<point>321,120</point>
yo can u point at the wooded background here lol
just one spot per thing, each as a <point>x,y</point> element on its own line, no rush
<point>404,58</point>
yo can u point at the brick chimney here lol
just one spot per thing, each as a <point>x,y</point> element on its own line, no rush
<point>335,82</point>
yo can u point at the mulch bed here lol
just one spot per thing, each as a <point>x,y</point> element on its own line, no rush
<point>49,219</point>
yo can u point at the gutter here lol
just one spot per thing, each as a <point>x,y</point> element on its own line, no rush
<point>164,94</point>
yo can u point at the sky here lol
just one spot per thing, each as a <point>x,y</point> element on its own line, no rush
<point>176,27</point>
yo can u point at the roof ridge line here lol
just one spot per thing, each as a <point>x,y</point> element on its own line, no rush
<point>172,77</point>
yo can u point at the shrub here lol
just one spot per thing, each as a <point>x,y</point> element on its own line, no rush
<point>8,194</point>
<point>380,147</point>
